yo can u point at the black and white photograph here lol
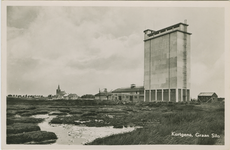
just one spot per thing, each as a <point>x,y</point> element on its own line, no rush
<point>114,74</point>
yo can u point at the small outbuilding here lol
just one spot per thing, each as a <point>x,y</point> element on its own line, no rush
<point>207,97</point>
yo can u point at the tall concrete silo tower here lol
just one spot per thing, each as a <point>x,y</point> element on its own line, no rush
<point>167,64</point>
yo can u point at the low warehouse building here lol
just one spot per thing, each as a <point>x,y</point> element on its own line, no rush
<point>207,97</point>
<point>133,93</point>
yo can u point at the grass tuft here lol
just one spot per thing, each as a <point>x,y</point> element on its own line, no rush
<point>35,136</point>
<point>21,127</point>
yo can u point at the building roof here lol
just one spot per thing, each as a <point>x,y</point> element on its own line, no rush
<point>164,31</point>
<point>129,89</point>
<point>148,30</point>
<point>166,27</point>
<point>206,93</point>
<point>103,94</point>
<point>173,26</point>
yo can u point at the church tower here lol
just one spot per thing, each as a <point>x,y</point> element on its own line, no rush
<point>58,91</point>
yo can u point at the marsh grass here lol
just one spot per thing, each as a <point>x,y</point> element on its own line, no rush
<point>75,112</point>
<point>58,113</point>
<point>158,120</point>
<point>34,112</point>
<point>13,120</point>
<point>65,120</point>
<point>36,136</point>
<point>21,127</point>
<point>21,107</point>
<point>158,126</point>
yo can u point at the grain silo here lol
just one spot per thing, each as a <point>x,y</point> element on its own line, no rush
<point>167,64</point>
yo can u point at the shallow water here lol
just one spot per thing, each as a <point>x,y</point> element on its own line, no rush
<point>77,134</point>
<point>17,116</point>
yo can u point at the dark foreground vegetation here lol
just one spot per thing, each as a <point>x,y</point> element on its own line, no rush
<point>25,129</point>
<point>162,123</point>
<point>33,137</point>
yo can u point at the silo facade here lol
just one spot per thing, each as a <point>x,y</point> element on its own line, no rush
<point>167,64</point>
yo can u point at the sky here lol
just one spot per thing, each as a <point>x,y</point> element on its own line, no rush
<point>84,49</point>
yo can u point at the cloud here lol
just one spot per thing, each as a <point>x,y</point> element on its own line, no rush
<point>85,48</point>
<point>111,63</point>
<point>21,16</point>
<point>57,46</point>
<point>207,78</point>
<point>200,73</point>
